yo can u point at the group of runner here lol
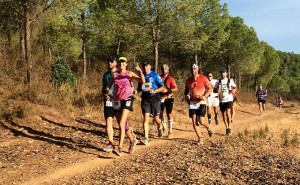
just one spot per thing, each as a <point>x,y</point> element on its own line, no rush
<point>203,93</point>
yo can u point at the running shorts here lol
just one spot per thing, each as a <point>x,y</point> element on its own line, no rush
<point>123,104</point>
<point>262,101</point>
<point>168,103</point>
<point>225,105</point>
<point>108,109</point>
<point>150,107</point>
<point>201,111</point>
<point>213,102</point>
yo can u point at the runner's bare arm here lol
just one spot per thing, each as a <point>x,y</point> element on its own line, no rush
<point>161,89</point>
<point>140,78</point>
<point>207,92</point>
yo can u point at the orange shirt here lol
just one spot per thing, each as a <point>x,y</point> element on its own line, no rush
<point>197,85</point>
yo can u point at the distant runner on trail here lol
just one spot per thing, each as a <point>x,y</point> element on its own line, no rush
<point>234,93</point>
<point>279,103</point>
<point>212,99</point>
<point>196,94</point>
<point>226,88</point>
<point>122,100</point>
<point>167,99</point>
<point>261,96</point>
<point>151,100</point>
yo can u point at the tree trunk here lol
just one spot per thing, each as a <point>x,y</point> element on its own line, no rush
<point>27,42</point>
<point>84,57</point>
<point>155,46</point>
<point>118,47</point>
<point>83,45</point>
<point>22,42</point>
<point>228,70</point>
<point>255,83</point>
<point>239,79</point>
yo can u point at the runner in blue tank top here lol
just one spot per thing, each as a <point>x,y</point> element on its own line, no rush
<point>261,96</point>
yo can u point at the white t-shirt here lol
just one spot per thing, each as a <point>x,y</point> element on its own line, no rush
<point>213,83</point>
<point>225,95</point>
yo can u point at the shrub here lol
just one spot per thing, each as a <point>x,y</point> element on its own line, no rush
<point>61,73</point>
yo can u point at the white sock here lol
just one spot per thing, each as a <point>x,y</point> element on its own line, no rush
<point>163,122</point>
<point>170,125</point>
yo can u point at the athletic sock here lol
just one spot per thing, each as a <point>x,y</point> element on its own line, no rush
<point>163,122</point>
<point>209,116</point>
<point>126,127</point>
<point>170,125</point>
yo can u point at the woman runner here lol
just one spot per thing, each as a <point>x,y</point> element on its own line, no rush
<point>122,96</point>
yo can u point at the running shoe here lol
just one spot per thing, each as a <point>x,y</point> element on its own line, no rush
<point>170,135</point>
<point>209,120</point>
<point>160,132</point>
<point>200,142</point>
<point>210,131</point>
<point>108,148</point>
<point>229,131</point>
<point>144,142</point>
<point>226,131</point>
<point>132,146</point>
<point>118,151</point>
<point>260,114</point>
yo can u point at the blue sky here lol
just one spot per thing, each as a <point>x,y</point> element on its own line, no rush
<point>276,22</point>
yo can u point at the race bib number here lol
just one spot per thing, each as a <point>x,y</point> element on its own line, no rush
<point>128,103</point>
<point>146,87</point>
<point>117,105</point>
<point>194,105</point>
<point>108,103</point>
<point>162,100</point>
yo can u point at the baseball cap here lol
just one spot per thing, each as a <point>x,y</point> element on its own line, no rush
<point>123,58</point>
<point>194,66</point>
<point>146,63</point>
<point>223,70</point>
<point>111,59</point>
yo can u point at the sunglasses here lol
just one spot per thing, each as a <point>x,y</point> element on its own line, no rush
<point>111,62</point>
<point>210,76</point>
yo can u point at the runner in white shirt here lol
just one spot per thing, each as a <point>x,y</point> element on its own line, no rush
<point>213,99</point>
<point>226,98</point>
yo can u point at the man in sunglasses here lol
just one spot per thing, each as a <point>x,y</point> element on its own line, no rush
<point>213,99</point>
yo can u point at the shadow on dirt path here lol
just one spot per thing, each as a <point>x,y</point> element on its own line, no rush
<point>42,136</point>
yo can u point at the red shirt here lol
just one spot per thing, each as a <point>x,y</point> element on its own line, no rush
<point>197,85</point>
<point>170,83</point>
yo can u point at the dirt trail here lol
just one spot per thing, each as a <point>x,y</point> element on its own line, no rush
<point>80,153</point>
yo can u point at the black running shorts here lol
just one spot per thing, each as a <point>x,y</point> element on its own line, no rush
<point>150,107</point>
<point>225,105</point>
<point>108,110</point>
<point>199,112</point>
<point>125,104</point>
<point>262,101</point>
<point>168,103</point>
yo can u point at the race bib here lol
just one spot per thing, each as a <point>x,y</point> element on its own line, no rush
<point>146,87</point>
<point>194,105</point>
<point>128,103</point>
<point>108,103</point>
<point>117,105</point>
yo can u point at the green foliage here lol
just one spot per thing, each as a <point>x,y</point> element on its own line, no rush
<point>246,132</point>
<point>279,84</point>
<point>285,137</point>
<point>262,133</point>
<point>61,73</point>
<point>295,139</point>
